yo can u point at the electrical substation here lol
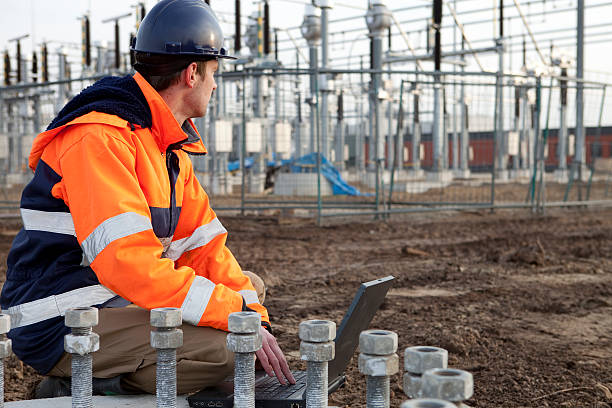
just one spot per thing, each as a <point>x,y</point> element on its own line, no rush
<point>343,110</point>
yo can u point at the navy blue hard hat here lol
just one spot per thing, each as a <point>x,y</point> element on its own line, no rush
<point>180,28</point>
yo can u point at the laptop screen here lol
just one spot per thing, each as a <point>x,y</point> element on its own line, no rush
<point>360,313</point>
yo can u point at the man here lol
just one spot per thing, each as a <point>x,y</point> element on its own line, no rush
<point>115,218</point>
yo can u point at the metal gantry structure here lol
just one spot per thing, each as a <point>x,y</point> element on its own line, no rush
<point>443,109</point>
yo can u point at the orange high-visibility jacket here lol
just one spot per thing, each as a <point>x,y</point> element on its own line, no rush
<point>138,214</point>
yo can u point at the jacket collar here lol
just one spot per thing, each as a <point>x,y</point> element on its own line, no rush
<point>165,129</point>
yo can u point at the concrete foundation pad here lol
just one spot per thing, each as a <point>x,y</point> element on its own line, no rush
<point>561,176</point>
<point>256,183</point>
<point>301,184</point>
<point>221,184</point>
<point>116,401</point>
<point>413,175</point>
<point>442,176</point>
<point>502,176</point>
<point>462,174</point>
<point>520,174</point>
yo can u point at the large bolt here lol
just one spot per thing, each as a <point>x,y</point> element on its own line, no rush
<point>427,403</point>
<point>317,349</point>
<point>244,340</point>
<point>5,350</point>
<point>378,361</point>
<point>81,342</point>
<point>417,360</point>
<point>166,338</point>
<point>448,384</point>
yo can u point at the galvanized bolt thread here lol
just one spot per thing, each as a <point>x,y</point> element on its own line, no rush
<point>81,381</point>
<point>244,340</point>
<point>5,350</point>
<point>316,384</point>
<point>378,362</point>
<point>377,392</point>
<point>80,343</point>
<point>165,380</point>
<point>2,383</point>
<point>244,380</point>
<point>317,349</point>
<point>81,331</point>
<point>166,338</point>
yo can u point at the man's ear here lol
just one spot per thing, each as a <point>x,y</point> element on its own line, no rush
<point>189,75</point>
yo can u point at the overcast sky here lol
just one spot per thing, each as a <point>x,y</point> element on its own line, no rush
<point>57,20</point>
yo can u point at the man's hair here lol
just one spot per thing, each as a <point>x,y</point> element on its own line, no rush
<point>164,81</point>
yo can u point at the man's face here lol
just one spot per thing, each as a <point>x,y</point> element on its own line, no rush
<point>203,89</point>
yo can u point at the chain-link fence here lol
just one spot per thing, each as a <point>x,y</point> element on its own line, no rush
<point>328,143</point>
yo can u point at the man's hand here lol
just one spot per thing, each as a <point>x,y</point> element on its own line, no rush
<point>272,358</point>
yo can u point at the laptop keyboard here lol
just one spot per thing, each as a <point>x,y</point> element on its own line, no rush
<point>270,388</point>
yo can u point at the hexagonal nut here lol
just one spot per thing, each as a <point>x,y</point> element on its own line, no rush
<point>378,342</point>
<point>5,323</point>
<point>6,348</point>
<point>170,339</point>
<point>319,352</point>
<point>419,359</point>
<point>427,403</point>
<point>412,385</point>
<point>81,317</point>
<point>243,343</point>
<point>244,322</point>
<point>448,384</point>
<point>166,317</point>
<point>317,331</point>
<point>81,345</point>
<point>378,366</point>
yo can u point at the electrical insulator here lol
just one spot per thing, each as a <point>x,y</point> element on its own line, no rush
<point>34,66</point>
<point>7,68</point>
<point>237,39</point>
<point>18,61</point>
<point>44,64</point>
<point>517,102</point>
<point>266,28</point>
<point>260,45</point>
<point>564,87</point>
<point>86,41</point>
<point>67,72</point>
<point>117,50</point>
<point>132,44</point>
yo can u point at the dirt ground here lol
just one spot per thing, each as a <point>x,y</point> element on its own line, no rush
<point>522,302</point>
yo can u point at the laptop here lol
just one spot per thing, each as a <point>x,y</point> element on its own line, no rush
<point>269,393</point>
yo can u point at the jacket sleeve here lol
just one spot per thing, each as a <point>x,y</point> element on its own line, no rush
<point>113,226</point>
<point>199,242</point>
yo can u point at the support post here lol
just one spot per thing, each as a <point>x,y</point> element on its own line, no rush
<point>317,349</point>
<point>378,361</point>
<point>81,342</point>
<point>579,156</point>
<point>166,338</point>
<point>244,340</point>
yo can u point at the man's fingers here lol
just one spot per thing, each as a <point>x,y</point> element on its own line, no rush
<point>263,359</point>
<point>273,360</point>
<point>284,366</point>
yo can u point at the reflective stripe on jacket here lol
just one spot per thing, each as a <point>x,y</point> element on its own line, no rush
<point>114,213</point>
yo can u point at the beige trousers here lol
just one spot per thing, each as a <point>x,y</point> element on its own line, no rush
<point>202,361</point>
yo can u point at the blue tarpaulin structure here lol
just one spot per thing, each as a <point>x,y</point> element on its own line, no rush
<point>306,164</point>
<point>329,171</point>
